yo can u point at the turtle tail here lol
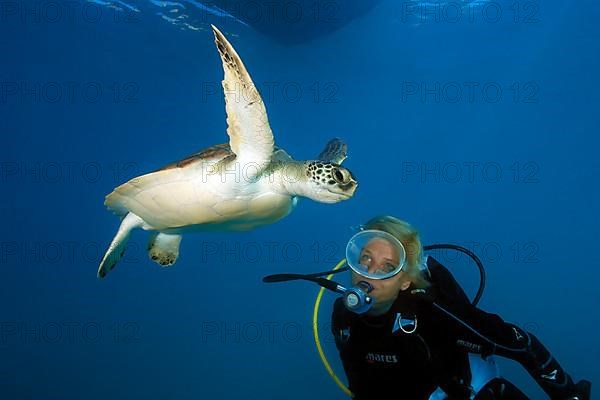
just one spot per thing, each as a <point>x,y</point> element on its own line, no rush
<point>119,243</point>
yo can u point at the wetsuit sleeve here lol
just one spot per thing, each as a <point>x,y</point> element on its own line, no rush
<point>486,333</point>
<point>497,336</point>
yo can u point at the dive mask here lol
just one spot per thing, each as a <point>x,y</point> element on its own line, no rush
<point>375,254</point>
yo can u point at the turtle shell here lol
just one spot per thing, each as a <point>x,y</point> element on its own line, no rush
<point>213,153</point>
<point>174,196</point>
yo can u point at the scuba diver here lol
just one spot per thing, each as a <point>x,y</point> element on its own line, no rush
<point>406,327</point>
<point>421,327</point>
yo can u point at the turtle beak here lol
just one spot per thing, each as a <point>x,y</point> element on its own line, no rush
<point>349,188</point>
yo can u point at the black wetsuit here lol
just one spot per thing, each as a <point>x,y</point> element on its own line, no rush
<point>416,347</point>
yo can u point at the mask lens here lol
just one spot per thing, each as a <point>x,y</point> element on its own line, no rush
<point>375,254</point>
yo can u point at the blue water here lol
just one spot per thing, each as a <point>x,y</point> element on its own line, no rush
<point>480,130</point>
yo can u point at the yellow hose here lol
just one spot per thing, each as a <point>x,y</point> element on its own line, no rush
<point>316,335</point>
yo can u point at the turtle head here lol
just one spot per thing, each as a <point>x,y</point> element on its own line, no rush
<point>329,182</point>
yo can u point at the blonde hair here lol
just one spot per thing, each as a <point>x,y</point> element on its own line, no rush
<point>410,239</point>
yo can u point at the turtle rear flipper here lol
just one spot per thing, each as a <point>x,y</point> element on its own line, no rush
<point>163,248</point>
<point>119,243</point>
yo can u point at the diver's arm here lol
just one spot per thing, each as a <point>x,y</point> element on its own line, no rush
<point>493,335</point>
<point>508,340</point>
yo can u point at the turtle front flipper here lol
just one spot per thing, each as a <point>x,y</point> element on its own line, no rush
<point>335,151</point>
<point>163,248</point>
<point>250,135</point>
<point>119,243</point>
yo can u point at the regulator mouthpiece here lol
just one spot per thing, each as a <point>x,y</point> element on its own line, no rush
<point>357,299</point>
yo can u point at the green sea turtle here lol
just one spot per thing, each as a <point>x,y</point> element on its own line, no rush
<point>236,186</point>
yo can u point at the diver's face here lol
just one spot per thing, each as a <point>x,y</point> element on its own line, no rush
<point>379,254</point>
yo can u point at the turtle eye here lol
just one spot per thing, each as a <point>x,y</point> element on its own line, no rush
<point>339,176</point>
